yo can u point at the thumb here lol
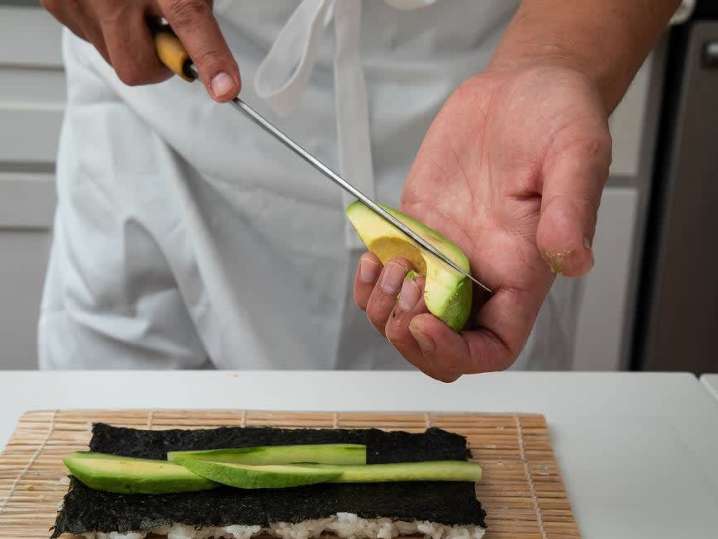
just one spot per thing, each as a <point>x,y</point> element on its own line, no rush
<point>198,30</point>
<point>573,178</point>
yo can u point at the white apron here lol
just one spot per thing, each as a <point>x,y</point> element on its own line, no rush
<point>187,238</point>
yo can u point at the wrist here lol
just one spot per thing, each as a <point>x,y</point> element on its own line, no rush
<point>604,41</point>
<point>557,58</point>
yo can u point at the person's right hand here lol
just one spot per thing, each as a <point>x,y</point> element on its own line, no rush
<point>119,30</point>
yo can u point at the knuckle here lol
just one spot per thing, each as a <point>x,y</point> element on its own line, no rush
<point>131,75</point>
<point>186,12</point>
<point>393,332</point>
<point>209,57</point>
<point>402,262</point>
<point>376,319</point>
<point>360,301</point>
<point>595,146</point>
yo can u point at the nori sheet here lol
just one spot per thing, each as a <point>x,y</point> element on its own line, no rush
<point>382,446</point>
<point>85,509</point>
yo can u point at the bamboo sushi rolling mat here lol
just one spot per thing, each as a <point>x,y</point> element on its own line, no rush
<point>521,488</point>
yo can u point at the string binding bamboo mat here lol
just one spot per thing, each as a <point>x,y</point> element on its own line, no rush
<point>521,488</point>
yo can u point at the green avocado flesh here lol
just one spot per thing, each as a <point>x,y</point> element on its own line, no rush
<point>280,454</point>
<point>124,475</point>
<point>447,293</point>
<point>197,470</point>
<point>261,476</point>
<point>292,475</point>
<point>440,470</point>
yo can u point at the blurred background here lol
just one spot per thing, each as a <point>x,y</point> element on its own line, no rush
<point>651,302</point>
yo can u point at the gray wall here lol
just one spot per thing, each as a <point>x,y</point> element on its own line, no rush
<point>32,93</point>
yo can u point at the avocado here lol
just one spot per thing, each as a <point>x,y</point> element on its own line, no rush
<point>292,475</point>
<point>440,470</point>
<point>447,293</point>
<point>125,475</point>
<point>280,454</point>
<point>261,476</point>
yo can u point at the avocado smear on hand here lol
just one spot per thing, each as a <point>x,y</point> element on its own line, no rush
<point>447,293</point>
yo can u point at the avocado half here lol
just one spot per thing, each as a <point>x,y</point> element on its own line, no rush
<point>447,293</point>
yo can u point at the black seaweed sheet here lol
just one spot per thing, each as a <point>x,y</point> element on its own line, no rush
<point>85,509</point>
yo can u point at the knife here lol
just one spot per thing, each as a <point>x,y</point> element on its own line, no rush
<point>173,54</point>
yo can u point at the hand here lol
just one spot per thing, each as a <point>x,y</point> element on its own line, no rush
<point>512,171</point>
<point>119,31</point>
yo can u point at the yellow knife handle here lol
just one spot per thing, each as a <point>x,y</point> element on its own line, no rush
<point>173,54</point>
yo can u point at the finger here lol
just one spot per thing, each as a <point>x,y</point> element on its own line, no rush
<point>448,354</point>
<point>443,352</point>
<point>367,273</point>
<point>505,322</point>
<point>197,29</point>
<point>130,45</point>
<point>410,305</point>
<point>81,23</point>
<point>68,18</point>
<point>573,177</point>
<point>383,296</point>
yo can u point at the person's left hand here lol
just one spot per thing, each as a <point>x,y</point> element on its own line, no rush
<point>512,171</point>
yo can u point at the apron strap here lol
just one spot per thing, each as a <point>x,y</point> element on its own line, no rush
<point>352,106</point>
<point>283,75</point>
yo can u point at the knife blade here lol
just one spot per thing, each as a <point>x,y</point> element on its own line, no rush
<point>173,55</point>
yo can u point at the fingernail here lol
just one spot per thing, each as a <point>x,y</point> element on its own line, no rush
<point>409,295</point>
<point>392,278</point>
<point>221,84</point>
<point>368,271</point>
<point>425,342</point>
<point>587,243</point>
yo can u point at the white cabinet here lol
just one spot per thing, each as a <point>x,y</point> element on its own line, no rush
<point>602,321</point>
<point>606,319</point>
<point>32,95</point>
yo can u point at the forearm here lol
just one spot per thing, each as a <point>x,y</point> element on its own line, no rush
<point>607,40</point>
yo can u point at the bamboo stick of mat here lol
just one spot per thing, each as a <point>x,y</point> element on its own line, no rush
<point>521,489</point>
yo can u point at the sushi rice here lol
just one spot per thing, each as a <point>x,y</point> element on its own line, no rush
<point>343,525</point>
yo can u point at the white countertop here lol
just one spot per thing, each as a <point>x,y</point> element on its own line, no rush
<point>710,381</point>
<point>638,452</point>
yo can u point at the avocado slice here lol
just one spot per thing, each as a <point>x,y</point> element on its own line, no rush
<point>125,475</point>
<point>440,470</point>
<point>258,476</point>
<point>447,293</point>
<point>280,454</point>
<point>292,475</point>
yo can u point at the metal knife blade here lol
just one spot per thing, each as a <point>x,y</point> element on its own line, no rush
<point>270,128</point>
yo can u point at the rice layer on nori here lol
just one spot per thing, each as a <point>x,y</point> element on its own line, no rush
<point>452,503</point>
